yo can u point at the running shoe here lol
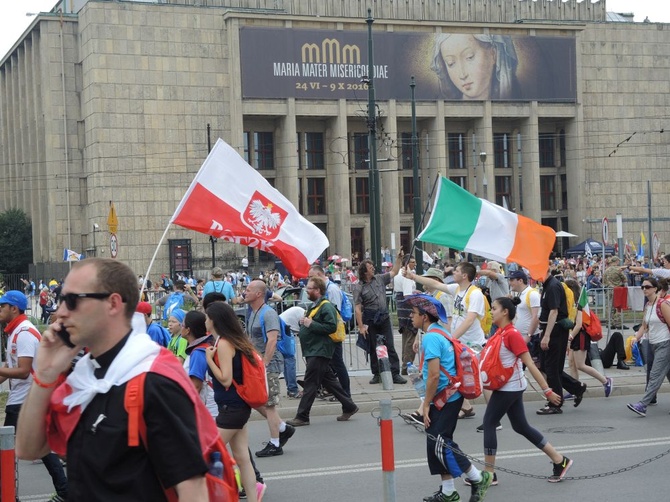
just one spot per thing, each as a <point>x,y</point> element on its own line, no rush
<point>638,408</point>
<point>270,450</point>
<point>415,417</point>
<point>286,435</point>
<point>438,496</point>
<point>608,385</point>
<point>481,427</point>
<point>579,397</point>
<point>494,481</point>
<point>260,490</point>
<point>568,397</point>
<point>560,470</point>
<point>479,489</point>
<point>549,410</point>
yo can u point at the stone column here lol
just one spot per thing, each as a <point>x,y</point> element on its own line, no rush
<point>530,171</point>
<point>338,201</point>
<point>389,184</point>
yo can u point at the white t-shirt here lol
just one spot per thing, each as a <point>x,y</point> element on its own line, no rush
<point>658,331</point>
<point>524,314</point>
<point>508,359</point>
<point>403,285</point>
<point>22,342</point>
<point>291,316</point>
<point>474,334</point>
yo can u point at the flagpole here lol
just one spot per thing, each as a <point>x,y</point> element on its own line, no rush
<point>153,258</point>
<point>423,216</point>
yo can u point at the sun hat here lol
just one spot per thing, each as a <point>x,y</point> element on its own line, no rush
<point>428,304</point>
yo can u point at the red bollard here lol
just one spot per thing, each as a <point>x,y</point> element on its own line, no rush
<point>7,464</point>
<point>388,454</point>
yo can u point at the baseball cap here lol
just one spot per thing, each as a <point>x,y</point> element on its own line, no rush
<point>15,298</point>
<point>435,273</point>
<point>144,308</point>
<point>518,274</point>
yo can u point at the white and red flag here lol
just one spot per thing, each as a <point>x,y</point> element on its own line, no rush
<point>230,200</point>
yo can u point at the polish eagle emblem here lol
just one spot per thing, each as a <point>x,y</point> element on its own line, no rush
<point>263,217</point>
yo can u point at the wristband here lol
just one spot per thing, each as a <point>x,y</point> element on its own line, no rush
<point>40,383</point>
<point>546,392</point>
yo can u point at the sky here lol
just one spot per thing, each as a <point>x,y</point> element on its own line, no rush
<point>13,19</point>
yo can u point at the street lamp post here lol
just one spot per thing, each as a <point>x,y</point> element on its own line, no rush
<point>485,182</point>
<point>416,201</point>
<point>375,226</point>
<point>96,228</point>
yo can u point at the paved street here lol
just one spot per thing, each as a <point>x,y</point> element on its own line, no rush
<point>330,461</point>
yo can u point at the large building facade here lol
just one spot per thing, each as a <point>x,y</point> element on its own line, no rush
<point>109,101</point>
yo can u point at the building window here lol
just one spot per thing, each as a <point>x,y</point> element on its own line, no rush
<point>408,195</point>
<point>547,193</point>
<point>406,237</point>
<point>357,245</point>
<point>562,148</point>
<point>457,154</point>
<point>362,197</point>
<point>461,181</point>
<point>504,191</point>
<point>501,149</point>
<point>564,191</point>
<point>316,196</point>
<point>262,146</point>
<point>546,145</point>
<point>314,150</point>
<point>361,153</point>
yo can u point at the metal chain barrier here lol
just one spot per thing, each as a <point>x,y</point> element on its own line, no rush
<point>421,429</point>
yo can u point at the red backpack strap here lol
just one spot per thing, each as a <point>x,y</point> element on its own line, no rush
<point>444,333</point>
<point>133,402</point>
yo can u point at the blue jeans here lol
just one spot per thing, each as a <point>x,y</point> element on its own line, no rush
<point>659,370</point>
<point>289,375</point>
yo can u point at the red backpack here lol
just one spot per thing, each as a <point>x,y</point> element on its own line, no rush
<point>659,311</point>
<point>219,489</point>
<point>594,328</point>
<point>254,390</point>
<point>494,375</point>
<point>470,388</point>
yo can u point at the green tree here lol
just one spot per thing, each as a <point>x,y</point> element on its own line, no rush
<point>16,241</point>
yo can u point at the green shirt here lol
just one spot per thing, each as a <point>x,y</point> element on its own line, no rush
<point>178,346</point>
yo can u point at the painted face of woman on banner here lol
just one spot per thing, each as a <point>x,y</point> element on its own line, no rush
<point>470,65</point>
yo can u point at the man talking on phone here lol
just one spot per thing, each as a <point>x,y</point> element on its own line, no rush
<point>23,338</point>
<point>85,415</point>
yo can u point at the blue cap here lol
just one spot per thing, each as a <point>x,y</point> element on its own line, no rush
<point>178,314</point>
<point>15,298</point>
<point>428,304</point>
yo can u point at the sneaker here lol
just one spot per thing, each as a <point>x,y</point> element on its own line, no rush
<point>416,417</point>
<point>270,450</point>
<point>375,379</point>
<point>568,397</point>
<point>494,481</point>
<point>55,498</point>
<point>638,408</point>
<point>608,385</point>
<point>260,491</point>
<point>294,395</point>
<point>398,379</point>
<point>286,435</point>
<point>479,489</point>
<point>549,410</point>
<point>242,494</point>
<point>560,470</point>
<point>438,496</point>
<point>481,427</point>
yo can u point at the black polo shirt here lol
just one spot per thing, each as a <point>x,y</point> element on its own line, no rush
<point>102,467</point>
<point>553,297</point>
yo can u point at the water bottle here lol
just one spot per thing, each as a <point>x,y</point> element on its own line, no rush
<point>384,364</point>
<point>216,466</point>
<point>468,376</point>
<point>417,379</point>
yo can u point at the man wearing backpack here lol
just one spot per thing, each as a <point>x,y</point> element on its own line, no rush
<point>335,296</point>
<point>155,331</point>
<point>219,285</point>
<point>89,421</point>
<point>317,347</point>
<point>177,299</point>
<point>264,334</point>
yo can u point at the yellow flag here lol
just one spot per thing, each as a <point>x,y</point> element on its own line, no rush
<point>643,241</point>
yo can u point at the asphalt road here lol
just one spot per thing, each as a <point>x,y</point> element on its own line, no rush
<point>330,461</point>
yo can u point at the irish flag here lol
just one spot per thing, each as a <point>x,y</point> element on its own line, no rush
<point>462,221</point>
<point>230,200</point>
<point>584,304</point>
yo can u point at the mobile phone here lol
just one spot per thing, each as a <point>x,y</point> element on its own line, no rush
<point>65,336</point>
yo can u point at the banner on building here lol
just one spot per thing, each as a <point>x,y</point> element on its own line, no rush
<point>322,64</point>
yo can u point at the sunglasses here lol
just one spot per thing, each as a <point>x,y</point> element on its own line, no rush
<point>71,299</point>
<point>647,287</point>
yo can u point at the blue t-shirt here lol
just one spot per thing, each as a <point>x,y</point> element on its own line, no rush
<point>219,287</point>
<point>197,364</point>
<point>434,345</point>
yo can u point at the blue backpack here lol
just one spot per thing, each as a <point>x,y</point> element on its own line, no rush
<point>174,301</point>
<point>285,339</point>
<point>347,311</point>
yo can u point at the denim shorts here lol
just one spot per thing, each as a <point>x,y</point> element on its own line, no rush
<point>233,417</point>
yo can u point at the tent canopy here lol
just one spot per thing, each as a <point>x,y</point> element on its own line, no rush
<point>596,248</point>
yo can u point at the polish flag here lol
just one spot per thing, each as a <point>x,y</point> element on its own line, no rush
<point>230,200</point>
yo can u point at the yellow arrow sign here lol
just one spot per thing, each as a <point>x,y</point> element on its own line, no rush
<point>112,220</point>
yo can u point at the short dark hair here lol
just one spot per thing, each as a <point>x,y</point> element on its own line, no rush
<point>212,297</point>
<point>468,269</point>
<point>318,268</point>
<point>508,305</point>
<point>114,276</point>
<point>319,283</point>
<point>195,321</point>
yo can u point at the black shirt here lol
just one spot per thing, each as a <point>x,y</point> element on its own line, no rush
<point>101,465</point>
<point>553,297</point>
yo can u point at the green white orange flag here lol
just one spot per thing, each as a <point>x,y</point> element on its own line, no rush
<point>583,302</point>
<point>462,221</point>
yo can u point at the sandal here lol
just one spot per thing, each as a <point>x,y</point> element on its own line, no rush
<point>469,413</point>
